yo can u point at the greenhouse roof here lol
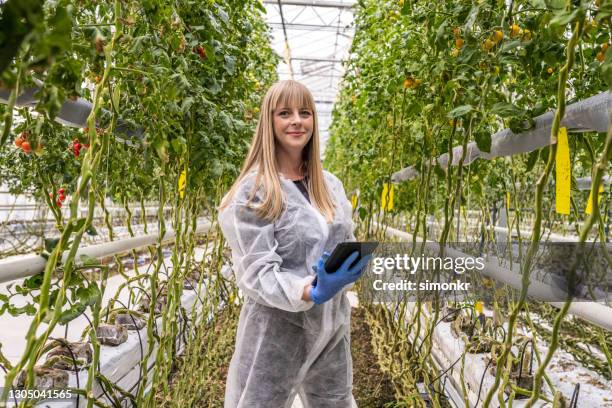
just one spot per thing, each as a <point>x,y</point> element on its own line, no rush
<point>312,37</point>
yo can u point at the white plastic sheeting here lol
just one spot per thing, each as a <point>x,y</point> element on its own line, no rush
<point>589,115</point>
<point>596,313</point>
<point>22,266</point>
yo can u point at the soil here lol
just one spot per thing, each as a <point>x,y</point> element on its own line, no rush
<point>371,388</point>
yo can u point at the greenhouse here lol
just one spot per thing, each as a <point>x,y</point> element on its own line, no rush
<point>305,203</point>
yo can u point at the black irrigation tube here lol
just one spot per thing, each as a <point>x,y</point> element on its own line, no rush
<point>65,343</point>
<point>469,307</point>
<point>149,297</point>
<point>113,401</point>
<point>445,371</point>
<point>139,342</point>
<point>482,380</point>
<point>66,338</point>
<point>574,401</point>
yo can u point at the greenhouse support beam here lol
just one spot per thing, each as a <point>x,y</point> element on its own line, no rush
<point>311,27</point>
<point>23,266</point>
<point>589,115</point>
<point>314,3</point>
<point>596,313</point>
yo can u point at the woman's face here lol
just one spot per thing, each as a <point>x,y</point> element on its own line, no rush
<point>292,127</point>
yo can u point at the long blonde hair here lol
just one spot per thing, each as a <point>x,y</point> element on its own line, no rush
<point>262,156</point>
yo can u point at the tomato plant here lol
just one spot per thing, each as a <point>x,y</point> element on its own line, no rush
<point>481,67</point>
<point>154,111</point>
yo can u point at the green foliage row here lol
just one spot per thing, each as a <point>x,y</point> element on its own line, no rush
<point>424,77</point>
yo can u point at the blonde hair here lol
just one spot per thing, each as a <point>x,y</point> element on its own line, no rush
<point>262,156</point>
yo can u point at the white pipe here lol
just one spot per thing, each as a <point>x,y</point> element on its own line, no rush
<point>22,266</point>
<point>596,313</point>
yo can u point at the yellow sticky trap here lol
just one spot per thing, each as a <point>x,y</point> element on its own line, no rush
<point>589,207</point>
<point>563,173</point>
<point>508,200</point>
<point>478,307</point>
<point>354,201</point>
<point>182,183</point>
<point>387,197</point>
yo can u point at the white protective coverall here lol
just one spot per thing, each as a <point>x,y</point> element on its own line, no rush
<point>285,345</point>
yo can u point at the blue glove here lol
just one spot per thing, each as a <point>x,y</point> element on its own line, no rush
<point>328,284</point>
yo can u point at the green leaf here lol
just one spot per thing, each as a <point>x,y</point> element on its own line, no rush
<point>506,109</point>
<point>91,231</point>
<point>532,158</point>
<point>161,147</point>
<point>441,33</point>
<point>186,104</point>
<point>87,260</point>
<point>363,213</point>
<point>483,141</point>
<point>605,10</point>
<point>471,18</point>
<point>565,17</point>
<point>510,45</point>
<point>89,295</point>
<point>116,97</point>
<point>230,64</point>
<point>460,111</point>
<point>28,309</point>
<point>606,68</point>
<point>71,313</point>
<point>223,15</point>
<point>78,224</point>
<point>34,282</point>
<point>214,86</point>
<point>259,6</point>
<point>51,243</point>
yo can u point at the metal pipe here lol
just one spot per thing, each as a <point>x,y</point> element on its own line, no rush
<point>313,3</point>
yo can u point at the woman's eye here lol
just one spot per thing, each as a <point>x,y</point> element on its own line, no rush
<point>305,113</point>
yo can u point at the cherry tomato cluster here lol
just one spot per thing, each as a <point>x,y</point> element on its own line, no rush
<point>77,146</point>
<point>200,51</point>
<point>61,197</point>
<point>22,142</point>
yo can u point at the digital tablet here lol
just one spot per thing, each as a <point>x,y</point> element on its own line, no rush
<point>344,250</point>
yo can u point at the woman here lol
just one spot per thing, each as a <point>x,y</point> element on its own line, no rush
<point>280,216</point>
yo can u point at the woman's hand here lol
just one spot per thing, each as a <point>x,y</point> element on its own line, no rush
<point>328,284</point>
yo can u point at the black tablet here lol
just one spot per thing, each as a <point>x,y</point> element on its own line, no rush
<point>344,250</point>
